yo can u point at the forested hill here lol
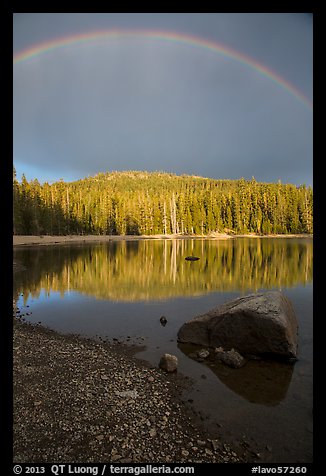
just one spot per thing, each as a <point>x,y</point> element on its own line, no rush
<point>145,203</point>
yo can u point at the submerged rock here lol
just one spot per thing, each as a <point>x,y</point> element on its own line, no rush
<point>261,323</point>
<point>203,354</point>
<point>232,358</point>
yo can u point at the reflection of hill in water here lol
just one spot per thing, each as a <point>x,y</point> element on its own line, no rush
<point>263,382</point>
<point>144,270</point>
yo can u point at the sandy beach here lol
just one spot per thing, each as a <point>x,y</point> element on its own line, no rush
<point>23,240</point>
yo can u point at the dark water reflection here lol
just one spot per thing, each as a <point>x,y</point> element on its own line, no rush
<point>260,382</point>
<point>121,289</point>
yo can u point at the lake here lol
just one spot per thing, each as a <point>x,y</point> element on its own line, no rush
<point>120,289</point>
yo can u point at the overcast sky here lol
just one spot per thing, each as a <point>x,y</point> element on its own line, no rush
<point>142,103</point>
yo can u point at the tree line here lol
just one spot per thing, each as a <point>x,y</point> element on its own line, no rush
<point>143,203</point>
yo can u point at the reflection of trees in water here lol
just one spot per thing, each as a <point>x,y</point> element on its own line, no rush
<point>140,270</point>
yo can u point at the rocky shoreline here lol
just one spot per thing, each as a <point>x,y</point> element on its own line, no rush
<point>78,400</point>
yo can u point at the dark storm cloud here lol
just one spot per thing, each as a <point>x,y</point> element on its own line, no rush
<point>156,105</point>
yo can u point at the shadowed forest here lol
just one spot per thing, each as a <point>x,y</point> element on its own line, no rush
<point>142,203</point>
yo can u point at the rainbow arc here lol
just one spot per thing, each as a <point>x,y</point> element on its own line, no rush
<point>178,38</point>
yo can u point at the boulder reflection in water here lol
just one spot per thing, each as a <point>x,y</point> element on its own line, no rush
<point>263,382</point>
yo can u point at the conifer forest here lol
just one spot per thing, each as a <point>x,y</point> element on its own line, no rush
<point>149,203</point>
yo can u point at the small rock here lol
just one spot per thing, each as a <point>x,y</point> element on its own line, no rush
<point>152,432</point>
<point>201,443</point>
<point>169,363</point>
<point>127,394</point>
<point>215,444</point>
<point>184,453</point>
<point>232,358</point>
<point>203,354</point>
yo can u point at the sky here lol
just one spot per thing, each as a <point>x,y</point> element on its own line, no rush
<point>219,95</point>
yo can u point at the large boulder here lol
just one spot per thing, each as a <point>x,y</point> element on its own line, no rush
<point>262,323</point>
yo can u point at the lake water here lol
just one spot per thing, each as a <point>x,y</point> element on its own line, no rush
<point>121,289</point>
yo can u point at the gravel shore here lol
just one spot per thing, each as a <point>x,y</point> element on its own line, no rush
<point>77,400</point>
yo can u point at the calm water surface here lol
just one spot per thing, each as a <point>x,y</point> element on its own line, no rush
<point>121,289</point>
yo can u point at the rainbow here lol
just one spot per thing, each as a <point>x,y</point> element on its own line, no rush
<point>213,46</point>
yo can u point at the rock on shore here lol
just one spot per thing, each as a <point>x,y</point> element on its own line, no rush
<point>169,363</point>
<point>261,323</point>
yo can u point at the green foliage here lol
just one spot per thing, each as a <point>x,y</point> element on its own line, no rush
<point>138,203</point>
